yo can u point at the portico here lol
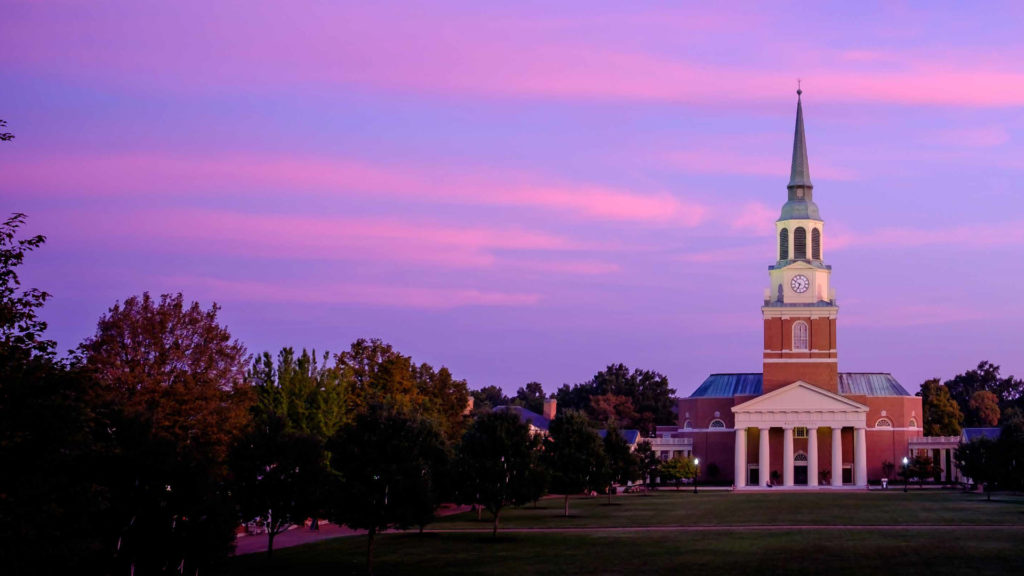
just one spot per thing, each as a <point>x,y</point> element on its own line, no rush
<point>801,406</point>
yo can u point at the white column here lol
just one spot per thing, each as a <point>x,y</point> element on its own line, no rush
<point>741,457</point>
<point>812,456</point>
<point>763,461</point>
<point>787,456</point>
<point>860,457</point>
<point>837,456</point>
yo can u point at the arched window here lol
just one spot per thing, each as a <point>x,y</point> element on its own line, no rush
<point>800,335</point>
<point>815,244</point>
<point>687,424</point>
<point>800,243</point>
<point>913,423</point>
<point>717,423</point>
<point>784,244</point>
<point>883,423</point>
<point>800,458</point>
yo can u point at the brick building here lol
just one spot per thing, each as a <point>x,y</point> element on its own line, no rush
<point>800,422</point>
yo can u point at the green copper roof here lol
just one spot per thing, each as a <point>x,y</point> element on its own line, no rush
<point>800,171</point>
<point>862,383</point>
<point>800,204</point>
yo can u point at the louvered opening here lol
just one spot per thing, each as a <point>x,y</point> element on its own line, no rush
<point>800,244</point>
<point>784,244</point>
<point>816,244</point>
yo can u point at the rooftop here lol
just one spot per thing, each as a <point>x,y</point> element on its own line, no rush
<point>750,384</point>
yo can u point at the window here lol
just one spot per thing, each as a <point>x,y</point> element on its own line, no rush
<point>800,336</point>
<point>784,244</point>
<point>800,457</point>
<point>816,244</point>
<point>800,243</point>
<point>717,423</point>
<point>687,424</point>
<point>800,432</point>
<point>883,423</point>
<point>913,423</point>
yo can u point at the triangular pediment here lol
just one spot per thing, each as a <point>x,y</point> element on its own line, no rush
<point>800,397</point>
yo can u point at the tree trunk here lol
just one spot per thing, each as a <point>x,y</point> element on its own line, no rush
<point>566,505</point>
<point>369,550</point>
<point>497,515</point>
<point>270,545</point>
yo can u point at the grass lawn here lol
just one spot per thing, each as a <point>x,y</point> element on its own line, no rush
<point>970,547</point>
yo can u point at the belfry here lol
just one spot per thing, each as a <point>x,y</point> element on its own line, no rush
<point>801,422</point>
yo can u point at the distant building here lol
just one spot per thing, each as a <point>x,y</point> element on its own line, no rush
<point>538,423</point>
<point>800,422</point>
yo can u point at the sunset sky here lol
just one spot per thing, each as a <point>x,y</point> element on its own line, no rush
<point>524,191</point>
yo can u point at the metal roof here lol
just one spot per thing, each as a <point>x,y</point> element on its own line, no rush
<point>870,384</point>
<point>630,436</point>
<point>972,434</point>
<point>801,204</point>
<point>863,383</point>
<point>729,385</point>
<point>526,416</point>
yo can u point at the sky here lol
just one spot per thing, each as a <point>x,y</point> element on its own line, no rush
<point>524,191</point>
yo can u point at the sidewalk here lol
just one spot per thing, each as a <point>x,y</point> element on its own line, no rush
<point>298,535</point>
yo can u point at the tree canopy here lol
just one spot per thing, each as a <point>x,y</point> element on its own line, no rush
<point>650,399</point>
<point>497,462</point>
<point>942,416</point>
<point>575,456</point>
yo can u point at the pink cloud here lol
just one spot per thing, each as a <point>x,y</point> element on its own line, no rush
<point>983,137</point>
<point>739,253</point>
<point>307,237</point>
<point>493,52</point>
<point>167,174</point>
<point>351,293</point>
<point>725,161</point>
<point>965,236</point>
<point>915,315</point>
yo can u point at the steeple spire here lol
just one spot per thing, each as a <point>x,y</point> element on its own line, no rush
<point>800,173</point>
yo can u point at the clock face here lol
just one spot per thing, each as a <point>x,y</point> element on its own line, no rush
<point>799,283</point>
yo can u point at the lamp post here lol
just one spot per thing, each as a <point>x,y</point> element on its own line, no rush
<point>906,473</point>
<point>696,473</point>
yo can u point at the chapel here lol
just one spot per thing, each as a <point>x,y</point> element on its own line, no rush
<point>800,422</point>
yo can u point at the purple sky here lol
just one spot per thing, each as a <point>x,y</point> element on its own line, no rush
<point>522,192</point>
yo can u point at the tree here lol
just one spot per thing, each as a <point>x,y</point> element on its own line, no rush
<point>21,330</point>
<point>277,473</point>
<point>979,460</point>
<point>444,400</point>
<point>54,503</point>
<point>648,461</point>
<point>608,409</point>
<point>678,469</point>
<point>986,376</point>
<point>531,397</point>
<point>382,377</point>
<point>171,382</point>
<point>5,136</point>
<point>983,409</point>
<point>648,391</point>
<point>575,456</point>
<point>488,397</point>
<point>385,462</point>
<point>942,416</point>
<point>308,394</point>
<point>496,463</point>
<point>623,465</point>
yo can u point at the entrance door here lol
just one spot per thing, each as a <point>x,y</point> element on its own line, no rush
<point>800,469</point>
<point>753,476</point>
<point>800,475</point>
